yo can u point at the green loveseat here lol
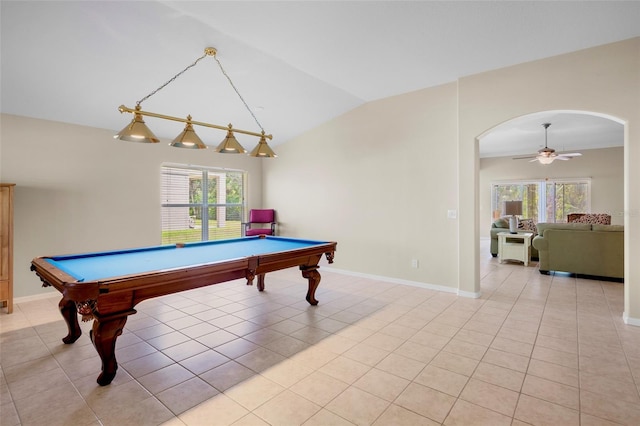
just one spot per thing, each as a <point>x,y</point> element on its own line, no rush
<point>502,225</point>
<point>581,248</point>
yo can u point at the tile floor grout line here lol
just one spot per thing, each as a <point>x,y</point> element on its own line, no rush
<point>391,305</point>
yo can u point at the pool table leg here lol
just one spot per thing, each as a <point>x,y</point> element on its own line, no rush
<point>311,273</point>
<point>70,314</point>
<point>260,282</point>
<point>103,335</point>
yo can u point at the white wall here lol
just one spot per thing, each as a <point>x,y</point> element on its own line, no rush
<point>79,190</point>
<point>378,180</point>
<point>603,166</point>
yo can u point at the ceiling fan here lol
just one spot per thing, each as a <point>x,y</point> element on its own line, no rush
<point>548,155</point>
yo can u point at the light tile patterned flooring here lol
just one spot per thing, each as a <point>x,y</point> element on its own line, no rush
<point>532,350</point>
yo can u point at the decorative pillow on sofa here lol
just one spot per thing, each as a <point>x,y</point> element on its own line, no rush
<point>528,225</point>
<point>501,223</point>
<point>594,219</point>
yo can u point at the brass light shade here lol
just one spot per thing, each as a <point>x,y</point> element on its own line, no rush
<point>230,144</point>
<point>263,149</point>
<point>137,131</point>
<point>188,138</point>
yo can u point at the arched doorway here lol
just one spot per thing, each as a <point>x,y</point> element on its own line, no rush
<point>599,137</point>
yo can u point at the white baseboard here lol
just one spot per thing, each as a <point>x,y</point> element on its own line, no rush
<point>474,295</point>
<point>393,280</point>
<point>629,320</point>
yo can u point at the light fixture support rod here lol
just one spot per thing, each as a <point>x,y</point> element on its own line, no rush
<point>546,126</point>
<point>124,109</point>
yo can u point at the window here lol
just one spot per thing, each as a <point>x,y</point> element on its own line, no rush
<point>549,200</point>
<point>201,204</point>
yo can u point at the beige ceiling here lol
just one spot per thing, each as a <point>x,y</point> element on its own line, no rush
<point>296,63</point>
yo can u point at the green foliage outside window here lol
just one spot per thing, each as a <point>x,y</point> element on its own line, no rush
<point>544,201</point>
<point>188,215</point>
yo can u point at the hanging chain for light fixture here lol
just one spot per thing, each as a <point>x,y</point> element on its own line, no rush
<point>235,89</point>
<point>173,78</point>
<point>137,130</point>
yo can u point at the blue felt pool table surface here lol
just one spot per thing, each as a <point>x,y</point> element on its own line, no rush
<point>108,264</point>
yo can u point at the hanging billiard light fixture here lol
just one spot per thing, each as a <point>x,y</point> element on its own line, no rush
<point>137,130</point>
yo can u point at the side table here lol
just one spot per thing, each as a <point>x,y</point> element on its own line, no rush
<point>515,246</point>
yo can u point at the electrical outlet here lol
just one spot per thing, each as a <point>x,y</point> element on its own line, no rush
<point>452,214</point>
<point>414,263</point>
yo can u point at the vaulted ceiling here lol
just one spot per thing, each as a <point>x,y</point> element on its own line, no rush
<point>297,64</point>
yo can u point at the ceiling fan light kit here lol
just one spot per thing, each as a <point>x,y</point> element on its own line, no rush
<point>548,155</point>
<point>137,130</point>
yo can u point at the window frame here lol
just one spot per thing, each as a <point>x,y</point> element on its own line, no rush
<point>542,193</point>
<point>205,205</point>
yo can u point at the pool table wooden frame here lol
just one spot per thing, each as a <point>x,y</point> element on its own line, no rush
<point>110,301</point>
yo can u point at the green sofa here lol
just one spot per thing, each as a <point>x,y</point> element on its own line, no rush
<point>581,248</point>
<point>502,225</point>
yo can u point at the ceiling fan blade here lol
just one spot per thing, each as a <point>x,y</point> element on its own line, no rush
<point>570,154</point>
<point>524,157</point>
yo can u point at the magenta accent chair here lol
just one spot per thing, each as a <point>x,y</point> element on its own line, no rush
<point>261,217</point>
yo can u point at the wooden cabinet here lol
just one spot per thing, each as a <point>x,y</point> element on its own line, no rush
<point>6,246</point>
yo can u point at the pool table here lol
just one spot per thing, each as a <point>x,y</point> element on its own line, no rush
<point>106,286</point>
